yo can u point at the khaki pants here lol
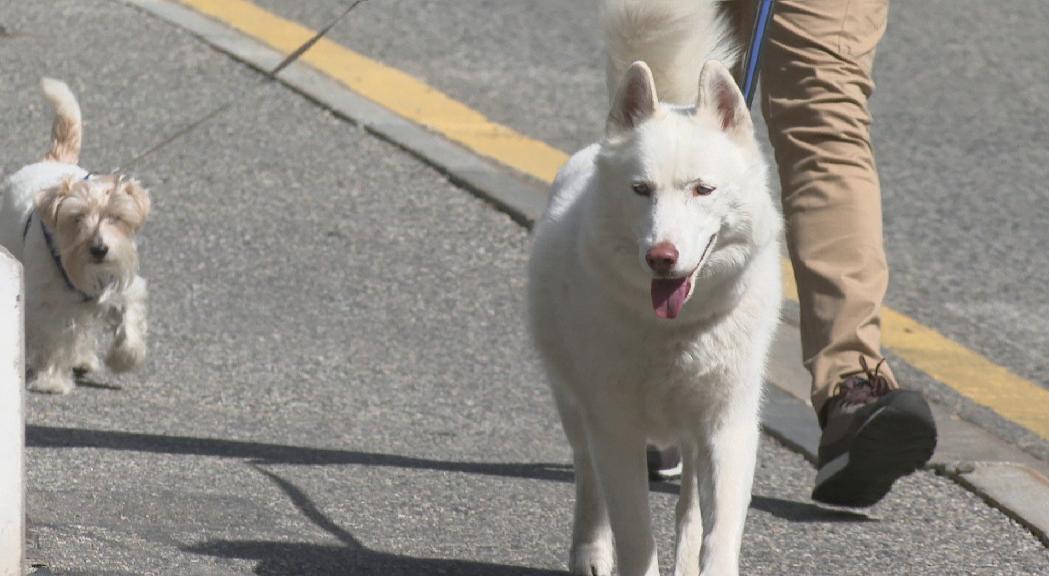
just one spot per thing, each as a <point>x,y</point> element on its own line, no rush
<point>816,80</point>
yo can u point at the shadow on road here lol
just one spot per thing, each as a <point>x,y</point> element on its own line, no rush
<point>352,557</point>
<point>296,559</point>
<point>261,454</point>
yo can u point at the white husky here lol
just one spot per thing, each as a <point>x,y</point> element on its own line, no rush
<point>655,291</point>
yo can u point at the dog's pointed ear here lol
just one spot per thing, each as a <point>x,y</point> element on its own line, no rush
<point>49,201</point>
<point>720,98</point>
<point>635,100</point>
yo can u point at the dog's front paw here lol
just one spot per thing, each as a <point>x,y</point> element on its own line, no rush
<point>51,383</point>
<point>126,355</point>
<point>595,559</point>
<point>86,365</point>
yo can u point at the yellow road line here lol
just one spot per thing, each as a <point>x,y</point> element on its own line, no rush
<point>391,88</point>
<point>967,371</point>
<point>957,366</point>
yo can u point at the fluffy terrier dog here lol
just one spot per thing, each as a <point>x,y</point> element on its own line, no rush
<point>74,233</point>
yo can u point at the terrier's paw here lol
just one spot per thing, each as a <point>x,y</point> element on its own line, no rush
<point>126,355</point>
<point>86,365</point>
<point>596,559</point>
<point>50,383</point>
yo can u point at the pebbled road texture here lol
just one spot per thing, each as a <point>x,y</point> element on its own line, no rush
<point>960,128</point>
<point>339,381</point>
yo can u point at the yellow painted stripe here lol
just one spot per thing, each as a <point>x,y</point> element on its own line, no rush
<point>968,372</point>
<point>391,88</point>
<point>961,368</point>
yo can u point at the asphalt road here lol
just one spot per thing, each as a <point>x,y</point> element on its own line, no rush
<point>961,130</point>
<point>339,380</point>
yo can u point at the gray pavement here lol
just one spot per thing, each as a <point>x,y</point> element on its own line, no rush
<point>961,131</point>
<point>339,381</point>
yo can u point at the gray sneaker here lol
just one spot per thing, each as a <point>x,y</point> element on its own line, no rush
<point>872,435</point>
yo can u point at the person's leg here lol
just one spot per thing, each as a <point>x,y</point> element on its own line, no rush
<point>816,85</point>
<point>817,79</point>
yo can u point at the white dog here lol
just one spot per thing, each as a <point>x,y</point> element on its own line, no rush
<point>74,233</point>
<point>655,291</point>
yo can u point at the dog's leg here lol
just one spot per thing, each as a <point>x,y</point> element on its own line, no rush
<point>51,364</point>
<point>727,473</point>
<point>85,358</point>
<point>52,380</point>
<point>689,525</point>
<point>51,337</point>
<point>592,553</point>
<point>129,345</point>
<point>617,442</point>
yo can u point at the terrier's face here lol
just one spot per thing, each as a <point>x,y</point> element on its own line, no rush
<point>93,223</point>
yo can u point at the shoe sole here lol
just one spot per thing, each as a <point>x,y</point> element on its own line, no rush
<point>663,464</point>
<point>894,442</point>
<point>665,473</point>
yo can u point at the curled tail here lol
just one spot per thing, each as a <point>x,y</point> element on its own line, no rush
<point>66,128</point>
<point>674,37</point>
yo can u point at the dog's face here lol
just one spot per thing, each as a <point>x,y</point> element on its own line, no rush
<point>93,223</point>
<point>688,182</point>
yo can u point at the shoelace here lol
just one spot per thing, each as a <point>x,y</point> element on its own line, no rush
<point>863,385</point>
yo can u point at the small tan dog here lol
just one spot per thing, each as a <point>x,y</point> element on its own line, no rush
<point>74,233</point>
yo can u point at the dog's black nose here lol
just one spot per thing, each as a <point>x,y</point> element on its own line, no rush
<point>99,250</point>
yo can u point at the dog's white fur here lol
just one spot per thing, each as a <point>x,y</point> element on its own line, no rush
<point>62,327</point>
<point>620,375</point>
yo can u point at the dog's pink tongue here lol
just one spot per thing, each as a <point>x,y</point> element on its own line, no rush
<point>668,296</point>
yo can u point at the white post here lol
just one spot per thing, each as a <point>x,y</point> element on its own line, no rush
<point>12,416</point>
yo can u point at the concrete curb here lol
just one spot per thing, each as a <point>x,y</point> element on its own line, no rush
<point>1003,475</point>
<point>1015,489</point>
<point>12,416</point>
<point>518,195</point>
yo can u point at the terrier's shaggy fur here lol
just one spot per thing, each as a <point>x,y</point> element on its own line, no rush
<point>74,233</point>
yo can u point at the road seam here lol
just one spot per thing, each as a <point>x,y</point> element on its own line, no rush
<point>522,194</point>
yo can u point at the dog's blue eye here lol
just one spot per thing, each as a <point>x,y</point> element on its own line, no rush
<point>642,189</point>
<point>702,190</point>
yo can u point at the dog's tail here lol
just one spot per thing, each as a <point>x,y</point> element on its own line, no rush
<point>674,37</point>
<point>66,128</point>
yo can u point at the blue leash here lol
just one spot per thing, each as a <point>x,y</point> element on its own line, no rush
<point>752,59</point>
